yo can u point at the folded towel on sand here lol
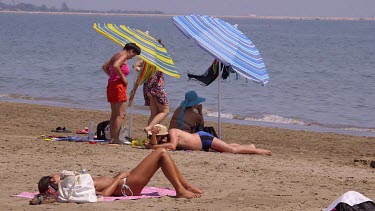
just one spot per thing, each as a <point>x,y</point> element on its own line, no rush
<point>147,192</point>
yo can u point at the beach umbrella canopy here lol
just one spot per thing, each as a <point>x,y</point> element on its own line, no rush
<point>151,50</point>
<point>227,44</point>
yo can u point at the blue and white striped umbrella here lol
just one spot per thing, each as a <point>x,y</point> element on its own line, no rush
<point>226,43</point>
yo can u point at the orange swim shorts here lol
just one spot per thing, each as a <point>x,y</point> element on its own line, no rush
<point>116,92</point>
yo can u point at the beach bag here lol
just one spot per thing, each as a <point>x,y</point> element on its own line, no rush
<point>210,129</point>
<point>365,206</point>
<point>76,187</point>
<point>122,135</point>
<point>100,128</point>
<point>351,201</point>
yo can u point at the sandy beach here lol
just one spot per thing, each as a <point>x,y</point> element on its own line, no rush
<point>308,170</point>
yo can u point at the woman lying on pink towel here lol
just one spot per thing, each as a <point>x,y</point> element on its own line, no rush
<point>132,183</point>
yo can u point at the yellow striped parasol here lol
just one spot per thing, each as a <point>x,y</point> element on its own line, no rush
<point>151,50</point>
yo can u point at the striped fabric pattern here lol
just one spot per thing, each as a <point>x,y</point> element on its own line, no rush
<point>151,50</point>
<point>144,74</point>
<point>226,43</point>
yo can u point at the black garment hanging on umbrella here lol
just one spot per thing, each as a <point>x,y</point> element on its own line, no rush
<point>212,73</point>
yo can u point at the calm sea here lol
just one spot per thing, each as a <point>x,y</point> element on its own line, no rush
<point>321,72</point>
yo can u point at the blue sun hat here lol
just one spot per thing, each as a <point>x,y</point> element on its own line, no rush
<point>191,99</point>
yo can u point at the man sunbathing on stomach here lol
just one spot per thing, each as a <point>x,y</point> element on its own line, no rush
<point>176,139</point>
<point>132,183</point>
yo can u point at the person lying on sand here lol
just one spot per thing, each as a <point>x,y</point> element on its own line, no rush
<point>176,139</point>
<point>133,182</point>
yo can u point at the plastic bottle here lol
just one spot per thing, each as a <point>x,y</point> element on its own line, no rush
<point>91,131</point>
<point>84,171</point>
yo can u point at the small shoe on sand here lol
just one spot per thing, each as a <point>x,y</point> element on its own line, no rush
<point>61,130</point>
<point>42,199</point>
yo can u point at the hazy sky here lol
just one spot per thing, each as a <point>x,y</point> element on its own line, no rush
<point>323,8</point>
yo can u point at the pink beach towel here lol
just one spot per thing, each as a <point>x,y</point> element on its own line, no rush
<point>147,192</point>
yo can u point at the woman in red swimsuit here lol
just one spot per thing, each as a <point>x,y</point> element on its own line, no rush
<point>117,69</point>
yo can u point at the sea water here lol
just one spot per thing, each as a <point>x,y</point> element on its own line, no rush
<point>321,72</point>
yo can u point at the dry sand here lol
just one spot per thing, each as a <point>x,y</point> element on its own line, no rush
<point>308,170</point>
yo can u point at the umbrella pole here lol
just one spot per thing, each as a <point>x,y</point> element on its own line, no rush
<point>131,111</point>
<point>219,98</point>
<point>130,121</point>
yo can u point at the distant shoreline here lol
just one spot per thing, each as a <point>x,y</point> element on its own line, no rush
<point>171,15</point>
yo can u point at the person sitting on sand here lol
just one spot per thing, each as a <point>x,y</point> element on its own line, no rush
<point>133,182</point>
<point>189,114</point>
<point>176,139</point>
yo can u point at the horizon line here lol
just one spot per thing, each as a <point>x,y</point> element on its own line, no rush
<point>252,16</point>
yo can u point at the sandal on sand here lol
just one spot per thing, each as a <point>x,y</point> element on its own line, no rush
<point>61,130</point>
<point>42,199</point>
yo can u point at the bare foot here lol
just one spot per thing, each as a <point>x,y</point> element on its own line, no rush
<point>194,189</point>
<point>187,194</point>
<point>146,129</point>
<point>264,152</point>
<point>116,143</point>
<point>113,143</point>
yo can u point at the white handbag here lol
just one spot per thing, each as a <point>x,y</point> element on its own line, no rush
<point>76,187</point>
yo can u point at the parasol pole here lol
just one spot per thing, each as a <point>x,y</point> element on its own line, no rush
<point>131,108</point>
<point>219,97</point>
<point>130,121</point>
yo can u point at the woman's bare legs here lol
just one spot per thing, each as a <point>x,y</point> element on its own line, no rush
<point>118,113</point>
<point>158,113</point>
<point>236,145</point>
<point>185,183</point>
<point>221,146</point>
<point>160,158</point>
